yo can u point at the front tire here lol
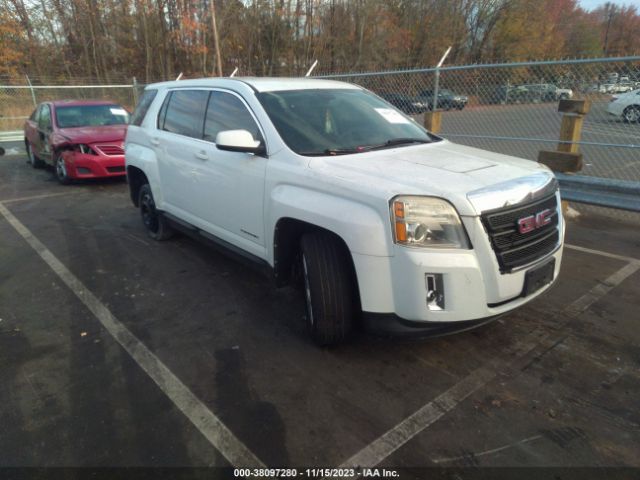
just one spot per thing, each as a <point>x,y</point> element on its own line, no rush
<point>156,225</point>
<point>329,287</point>
<point>61,170</point>
<point>631,114</point>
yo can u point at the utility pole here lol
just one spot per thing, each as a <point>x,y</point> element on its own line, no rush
<point>216,40</point>
<point>610,8</point>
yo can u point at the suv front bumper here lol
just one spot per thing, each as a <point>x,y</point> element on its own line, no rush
<point>474,289</point>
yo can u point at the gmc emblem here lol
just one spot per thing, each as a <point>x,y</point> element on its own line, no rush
<point>532,222</point>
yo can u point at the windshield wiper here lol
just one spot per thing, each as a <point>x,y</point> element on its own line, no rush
<point>365,148</point>
<point>393,143</point>
<point>332,151</point>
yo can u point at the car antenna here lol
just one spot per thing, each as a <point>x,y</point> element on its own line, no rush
<point>311,69</point>
<point>179,77</point>
<point>233,74</point>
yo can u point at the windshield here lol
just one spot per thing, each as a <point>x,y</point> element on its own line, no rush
<point>340,121</point>
<point>91,115</point>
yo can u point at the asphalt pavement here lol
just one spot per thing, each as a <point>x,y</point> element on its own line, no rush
<point>120,351</point>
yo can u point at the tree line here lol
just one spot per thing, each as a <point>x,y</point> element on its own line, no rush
<point>115,40</point>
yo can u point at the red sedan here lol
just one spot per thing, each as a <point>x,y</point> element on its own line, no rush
<point>80,138</point>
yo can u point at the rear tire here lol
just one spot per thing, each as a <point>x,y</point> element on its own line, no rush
<point>329,288</point>
<point>156,225</point>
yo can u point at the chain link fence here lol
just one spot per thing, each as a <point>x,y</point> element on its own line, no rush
<point>513,108</point>
<point>506,108</point>
<point>18,101</point>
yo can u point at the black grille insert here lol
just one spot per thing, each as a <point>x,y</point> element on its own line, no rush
<point>514,249</point>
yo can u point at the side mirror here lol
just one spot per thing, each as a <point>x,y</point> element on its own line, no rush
<point>239,141</point>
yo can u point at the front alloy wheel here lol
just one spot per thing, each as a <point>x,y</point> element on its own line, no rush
<point>632,114</point>
<point>307,292</point>
<point>61,171</point>
<point>329,287</point>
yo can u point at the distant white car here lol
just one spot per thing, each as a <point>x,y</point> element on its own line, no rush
<point>564,93</point>
<point>626,106</point>
<point>623,87</point>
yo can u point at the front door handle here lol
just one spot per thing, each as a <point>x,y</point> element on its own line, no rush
<point>202,155</point>
<point>154,141</point>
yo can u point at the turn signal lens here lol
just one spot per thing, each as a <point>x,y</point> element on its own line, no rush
<point>398,209</point>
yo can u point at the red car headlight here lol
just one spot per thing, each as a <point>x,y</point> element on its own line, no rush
<point>86,149</point>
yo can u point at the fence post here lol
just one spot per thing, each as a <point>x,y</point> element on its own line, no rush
<point>433,121</point>
<point>33,92</point>
<point>135,92</point>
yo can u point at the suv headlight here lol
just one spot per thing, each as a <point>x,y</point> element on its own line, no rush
<point>427,222</point>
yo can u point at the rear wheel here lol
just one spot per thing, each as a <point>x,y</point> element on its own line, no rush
<point>329,288</point>
<point>61,170</point>
<point>155,224</point>
<point>631,114</point>
<point>34,161</point>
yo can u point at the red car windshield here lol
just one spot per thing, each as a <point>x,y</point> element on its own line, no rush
<point>91,115</point>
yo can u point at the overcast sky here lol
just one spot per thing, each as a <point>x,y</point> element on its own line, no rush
<point>592,4</point>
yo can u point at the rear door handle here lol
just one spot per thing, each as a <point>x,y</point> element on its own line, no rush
<point>202,155</point>
<point>154,141</point>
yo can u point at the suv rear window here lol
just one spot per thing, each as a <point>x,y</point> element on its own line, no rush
<point>185,112</point>
<point>143,106</point>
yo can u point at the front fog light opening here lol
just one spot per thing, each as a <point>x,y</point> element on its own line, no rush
<point>435,291</point>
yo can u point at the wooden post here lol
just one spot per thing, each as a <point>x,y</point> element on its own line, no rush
<point>567,159</point>
<point>570,131</point>
<point>433,121</point>
<point>572,120</point>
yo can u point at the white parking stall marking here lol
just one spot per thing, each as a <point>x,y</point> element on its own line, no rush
<point>39,197</point>
<point>608,131</point>
<point>601,253</point>
<point>430,413</point>
<point>183,398</point>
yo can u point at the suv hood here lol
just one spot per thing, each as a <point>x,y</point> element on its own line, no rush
<point>441,169</point>
<point>106,133</point>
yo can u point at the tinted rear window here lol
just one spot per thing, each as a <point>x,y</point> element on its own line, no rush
<point>143,106</point>
<point>185,112</point>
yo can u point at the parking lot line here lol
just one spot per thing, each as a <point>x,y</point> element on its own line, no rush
<point>602,253</point>
<point>393,439</point>
<point>183,398</point>
<point>38,197</point>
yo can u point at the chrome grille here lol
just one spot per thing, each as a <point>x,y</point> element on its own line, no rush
<point>514,249</point>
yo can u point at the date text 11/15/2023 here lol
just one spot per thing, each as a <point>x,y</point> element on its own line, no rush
<point>315,472</point>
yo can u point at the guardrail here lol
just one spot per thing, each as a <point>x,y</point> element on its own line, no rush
<point>13,136</point>
<point>602,192</point>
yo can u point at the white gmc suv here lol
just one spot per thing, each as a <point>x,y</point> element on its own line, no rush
<point>332,188</point>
